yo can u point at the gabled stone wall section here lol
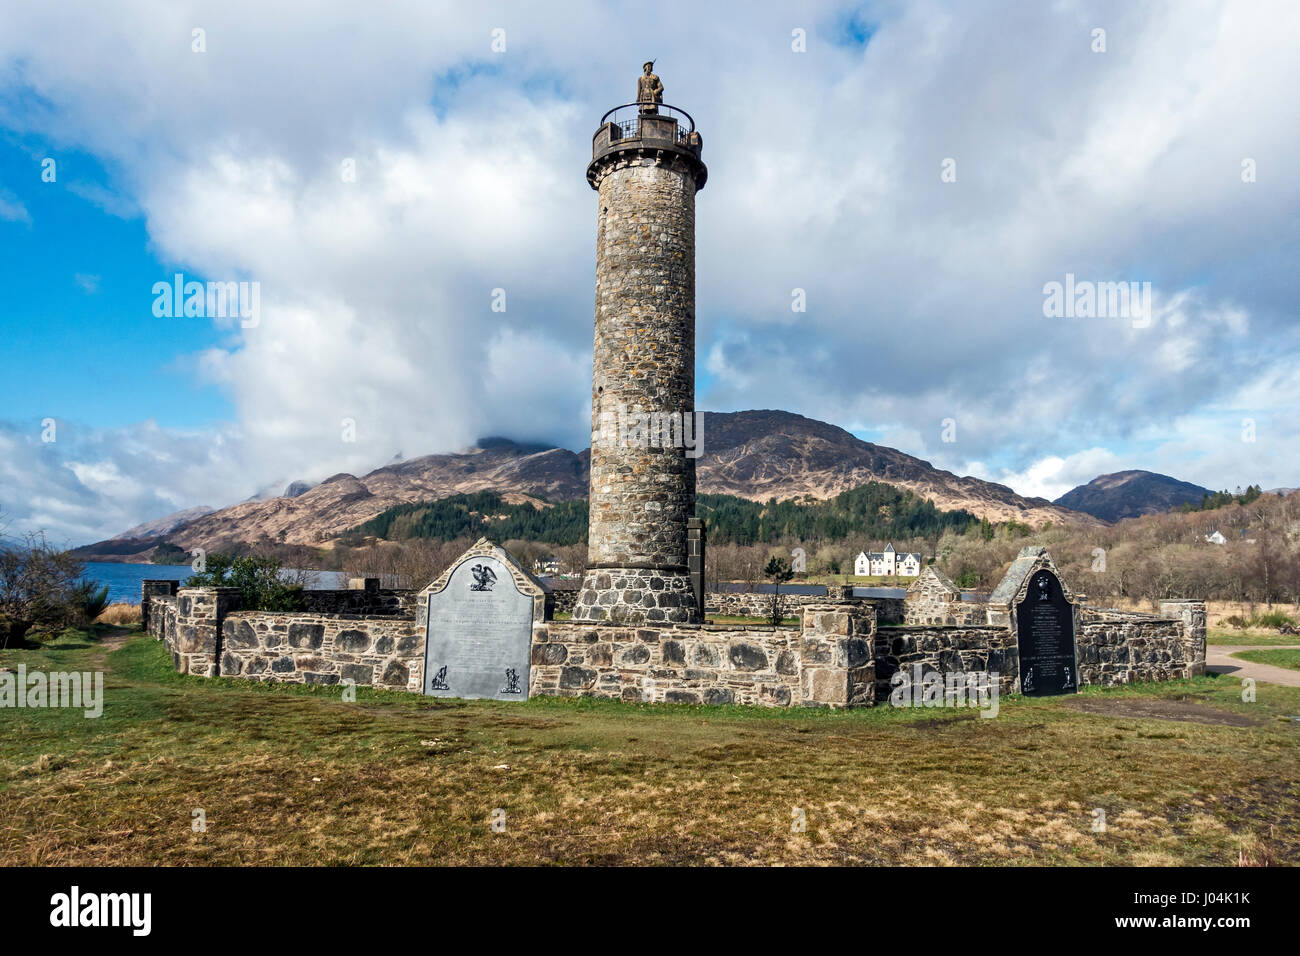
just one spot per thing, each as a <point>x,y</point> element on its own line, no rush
<point>525,582</point>
<point>933,599</point>
<point>1013,587</point>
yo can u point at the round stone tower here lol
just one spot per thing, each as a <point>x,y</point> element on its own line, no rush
<point>645,433</point>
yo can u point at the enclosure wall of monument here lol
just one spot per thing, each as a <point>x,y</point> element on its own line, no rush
<point>842,653</point>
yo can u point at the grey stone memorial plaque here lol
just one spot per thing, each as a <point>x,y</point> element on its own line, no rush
<point>479,634</point>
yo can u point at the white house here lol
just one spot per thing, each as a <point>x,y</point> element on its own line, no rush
<point>549,567</point>
<point>1216,538</point>
<point>887,563</point>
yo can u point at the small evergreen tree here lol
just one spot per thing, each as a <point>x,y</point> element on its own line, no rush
<point>778,572</point>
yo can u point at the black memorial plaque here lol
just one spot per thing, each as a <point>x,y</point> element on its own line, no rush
<point>1045,632</point>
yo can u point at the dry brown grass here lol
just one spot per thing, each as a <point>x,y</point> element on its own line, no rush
<point>1216,612</point>
<point>294,775</point>
<point>120,615</point>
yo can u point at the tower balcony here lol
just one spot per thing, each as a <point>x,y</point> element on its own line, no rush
<point>667,133</point>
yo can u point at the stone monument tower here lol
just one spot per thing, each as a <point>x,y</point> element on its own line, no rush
<point>646,169</point>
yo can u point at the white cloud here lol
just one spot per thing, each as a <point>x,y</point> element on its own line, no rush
<point>924,298</point>
<point>1053,476</point>
<point>94,483</point>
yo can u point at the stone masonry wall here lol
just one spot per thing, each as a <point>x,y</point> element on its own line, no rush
<point>159,619</point>
<point>323,649</point>
<point>839,656</point>
<point>678,664</point>
<point>756,603</point>
<point>1119,647</point>
<point>836,665</point>
<point>154,588</point>
<point>955,614</point>
<point>945,649</point>
<point>825,662</point>
<point>190,625</point>
<point>1191,614</point>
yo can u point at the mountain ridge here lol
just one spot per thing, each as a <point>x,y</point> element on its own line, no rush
<point>757,454</point>
<point>1131,494</point>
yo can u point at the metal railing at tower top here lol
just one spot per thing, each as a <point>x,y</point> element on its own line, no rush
<point>628,119</point>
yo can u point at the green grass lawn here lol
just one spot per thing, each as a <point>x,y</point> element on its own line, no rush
<point>1278,658</point>
<point>288,774</point>
<point>1237,638</point>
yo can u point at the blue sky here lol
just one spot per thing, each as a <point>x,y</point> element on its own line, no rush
<point>78,315</point>
<point>925,296</point>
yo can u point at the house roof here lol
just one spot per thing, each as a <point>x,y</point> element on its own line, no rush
<point>899,555</point>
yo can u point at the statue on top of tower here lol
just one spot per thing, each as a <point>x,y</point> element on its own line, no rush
<point>649,91</point>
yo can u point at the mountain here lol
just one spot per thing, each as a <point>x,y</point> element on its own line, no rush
<point>139,543</point>
<point>1131,494</point>
<point>297,488</point>
<point>165,525</point>
<point>755,454</point>
<point>773,454</point>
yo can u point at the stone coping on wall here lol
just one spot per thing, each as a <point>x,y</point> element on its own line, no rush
<point>684,626</point>
<point>1119,614</point>
<point>892,628</point>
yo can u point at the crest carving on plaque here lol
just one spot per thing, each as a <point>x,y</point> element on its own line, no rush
<point>484,578</point>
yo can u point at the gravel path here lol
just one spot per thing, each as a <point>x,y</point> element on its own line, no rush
<point>1219,659</point>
